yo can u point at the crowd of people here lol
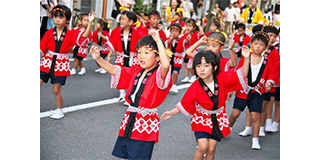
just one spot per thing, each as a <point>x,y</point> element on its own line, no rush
<point>148,62</point>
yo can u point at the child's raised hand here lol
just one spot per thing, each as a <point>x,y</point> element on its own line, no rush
<point>231,44</point>
<point>155,35</point>
<point>166,115</point>
<point>245,51</point>
<point>198,23</point>
<point>204,40</point>
<point>95,52</point>
<point>92,16</point>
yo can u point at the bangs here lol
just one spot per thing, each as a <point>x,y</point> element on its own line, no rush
<point>210,57</point>
<point>59,14</point>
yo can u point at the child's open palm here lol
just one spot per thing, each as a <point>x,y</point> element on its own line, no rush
<point>95,52</point>
<point>92,16</point>
<point>245,51</point>
<point>155,35</point>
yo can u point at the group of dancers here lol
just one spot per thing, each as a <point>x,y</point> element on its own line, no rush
<point>146,69</point>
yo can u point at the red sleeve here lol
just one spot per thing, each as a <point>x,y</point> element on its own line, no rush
<point>233,80</point>
<point>44,43</point>
<point>163,36</point>
<point>187,105</point>
<point>121,79</point>
<point>247,39</point>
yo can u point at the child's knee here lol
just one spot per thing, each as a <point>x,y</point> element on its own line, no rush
<point>56,89</point>
<point>175,73</point>
<point>254,116</point>
<point>203,148</point>
<point>235,113</point>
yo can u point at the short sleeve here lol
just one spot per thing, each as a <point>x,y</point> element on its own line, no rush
<point>121,79</point>
<point>187,105</point>
<point>166,81</point>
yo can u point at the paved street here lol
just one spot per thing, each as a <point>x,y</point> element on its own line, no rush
<point>91,133</point>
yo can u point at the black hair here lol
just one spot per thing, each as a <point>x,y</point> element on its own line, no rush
<point>56,12</point>
<point>257,28</point>
<point>262,36</point>
<point>148,41</point>
<point>216,22</point>
<point>103,24</point>
<point>218,36</point>
<point>132,16</point>
<point>271,29</point>
<point>176,25</point>
<point>153,12</point>
<point>241,25</point>
<point>193,22</point>
<point>210,57</point>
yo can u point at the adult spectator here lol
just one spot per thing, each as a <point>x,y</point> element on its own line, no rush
<point>229,19</point>
<point>238,14</point>
<point>252,15</point>
<point>216,9</point>
<point>45,13</point>
<point>200,11</point>
<point>174,7</point>
<point>189,8</point>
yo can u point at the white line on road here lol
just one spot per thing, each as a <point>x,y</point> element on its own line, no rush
<point>94,104</point>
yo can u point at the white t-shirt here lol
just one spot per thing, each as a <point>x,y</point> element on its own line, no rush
<point>189,5</point>
<point>229,14</point>
<point>125,39</point>
<point>237,12</point>
<point>211,86</point>
<point>255,70</point>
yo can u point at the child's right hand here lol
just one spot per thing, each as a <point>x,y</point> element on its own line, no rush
<point>95,52</point>
<point>166,115</point>
<point>231,44</point>
<point>245,51</point>
<point>204,40</point>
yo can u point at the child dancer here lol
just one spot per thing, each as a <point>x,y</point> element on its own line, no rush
<point>209,118</point>
<point>261,77</point>
<point>126,50</point>
<point>176,45</point>
<point>154,19</point>
<point>241,38</point>
<point>215,43</point>
<point>54,46</point>
<point>101,39</point>
<point>192,37</point>
<point>80,52</point>
<point>148,85</point>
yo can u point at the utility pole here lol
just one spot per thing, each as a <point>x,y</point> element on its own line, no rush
<point>210,16</point>
<point>104,9</point>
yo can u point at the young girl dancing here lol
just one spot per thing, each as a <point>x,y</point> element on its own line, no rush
<point>148,85</point>
<point>204,101</point>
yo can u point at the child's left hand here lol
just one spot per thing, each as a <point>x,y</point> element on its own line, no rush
<point>92,16</point>
<point>155,35</point>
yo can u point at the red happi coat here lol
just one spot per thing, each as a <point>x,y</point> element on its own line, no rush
<point>145,128</point>
<point>116,41</point>
<point>177,51</point>
<point>83,49</point>
<point>104,46</point>
<point>197,103</point>
<point>47,47</point>
<point>269,75</point>
<point>145,31</point>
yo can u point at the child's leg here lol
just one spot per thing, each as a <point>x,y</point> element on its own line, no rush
<point>268,120</point>
<point>58,95</point>
<point>175,77</point>
<point>277,112</point>
<point>255,123</point>
<point>186,70</point>
<point>203,145</point>
<point>81,64</point>
<point>234,116</point>
<point>211,149</point>
<point>41,81</point>
<point>76,63</point>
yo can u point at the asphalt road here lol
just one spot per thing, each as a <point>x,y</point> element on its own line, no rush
<point>91,133</point>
